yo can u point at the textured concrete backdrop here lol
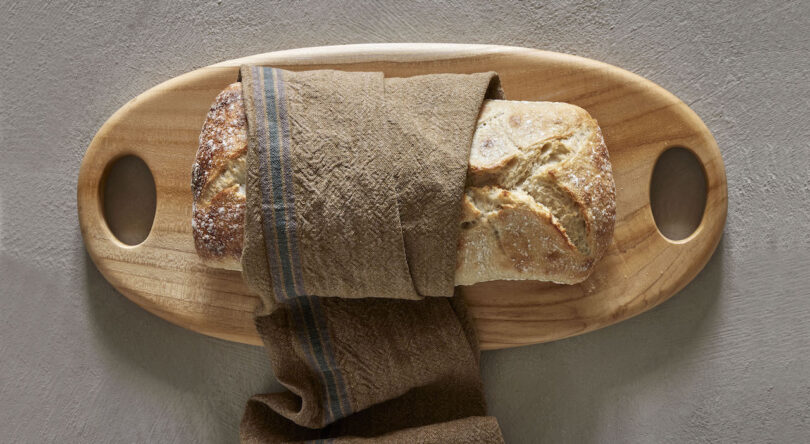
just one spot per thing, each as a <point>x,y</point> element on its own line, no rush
<point>727,359</point>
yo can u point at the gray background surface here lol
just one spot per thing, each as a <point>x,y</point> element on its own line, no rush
<point>727,359</point>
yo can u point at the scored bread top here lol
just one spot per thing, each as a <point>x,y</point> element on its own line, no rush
<point>540,197</point>
<point>539,200</point>
<point>218,182</point>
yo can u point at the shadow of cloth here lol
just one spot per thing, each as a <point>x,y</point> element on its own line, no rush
<point>218,376</point>
<point>569,385</point>
<point>564,384</point>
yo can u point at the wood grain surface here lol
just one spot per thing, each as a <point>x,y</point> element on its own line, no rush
<point>639,119</point>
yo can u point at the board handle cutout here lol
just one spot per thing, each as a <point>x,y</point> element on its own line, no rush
<point>678,193</point>
<point>128,199</point>
<point>687,191</point>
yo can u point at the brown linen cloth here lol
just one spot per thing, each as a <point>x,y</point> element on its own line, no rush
<point>354,184</point>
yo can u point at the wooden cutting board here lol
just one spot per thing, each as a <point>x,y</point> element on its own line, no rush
<point>640,120</point>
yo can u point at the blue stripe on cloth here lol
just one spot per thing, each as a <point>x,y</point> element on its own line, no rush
<point>320,322</point>
<point>301,318</point>
<point>267,203</point>
<point>277,189</point>
<point>289,196</point>
<point>278,206</point>
<point>315,305</point>
<point>267,136</point>
<point>272,83</point>
<point>320,350</point>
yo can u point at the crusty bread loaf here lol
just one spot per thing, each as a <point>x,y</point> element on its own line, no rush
<point>540,198</point>
<point>539,201</point>
<point>218,182</point>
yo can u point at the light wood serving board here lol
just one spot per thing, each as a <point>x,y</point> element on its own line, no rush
<point>639,120</point>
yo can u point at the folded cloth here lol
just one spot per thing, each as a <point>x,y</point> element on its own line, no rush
<point>354,184</point>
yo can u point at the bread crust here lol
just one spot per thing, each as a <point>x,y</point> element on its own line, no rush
<point>539,201</point>
<point>217,182</point>
<point>540,197</point>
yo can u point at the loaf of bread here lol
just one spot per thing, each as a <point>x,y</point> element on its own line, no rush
<point>539,201</point>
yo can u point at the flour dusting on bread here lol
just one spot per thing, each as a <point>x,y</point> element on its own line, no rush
<point>540,198</point>
<point>539,201</point>
<point>217,182</point>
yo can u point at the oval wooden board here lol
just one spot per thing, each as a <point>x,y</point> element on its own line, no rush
<point>639,119</point>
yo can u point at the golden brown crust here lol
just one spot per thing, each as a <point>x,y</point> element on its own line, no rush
<point>540,198</point>
<point>217,182</point>
<point>513,237</point>
<point>219,228</point>
<point>539,201</point>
